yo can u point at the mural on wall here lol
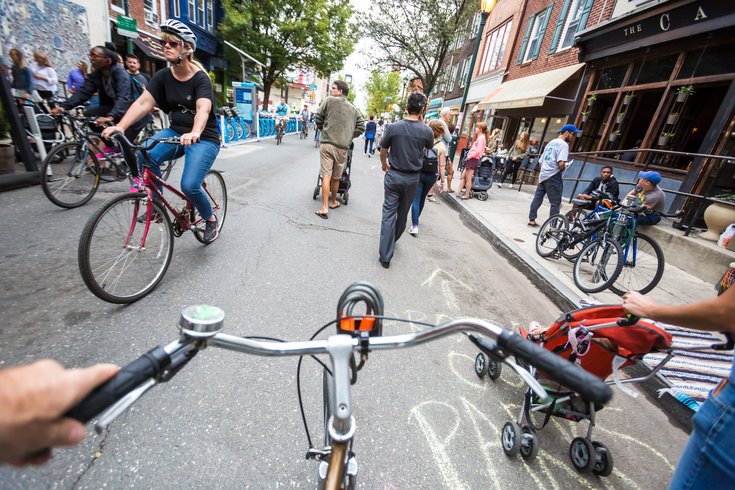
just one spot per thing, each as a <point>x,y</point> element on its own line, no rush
<point>58,28</point>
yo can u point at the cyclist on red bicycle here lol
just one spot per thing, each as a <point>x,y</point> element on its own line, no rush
<point>184,91</point>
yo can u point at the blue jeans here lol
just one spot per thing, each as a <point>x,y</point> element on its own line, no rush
<point>198,159</point>
<point>369,141</point>
<point>551,187</point>
<point>708,460</point>
<point>648,219</point>
<point>426,180</point>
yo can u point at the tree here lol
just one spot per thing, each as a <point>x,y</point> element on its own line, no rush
<point>382,91</point>
<point>415,35</point>
<point>315,34</point>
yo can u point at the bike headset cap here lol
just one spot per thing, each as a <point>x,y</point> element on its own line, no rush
<point>180,30</point>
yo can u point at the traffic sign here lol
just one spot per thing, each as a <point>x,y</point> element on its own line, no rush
<point>127,26</point>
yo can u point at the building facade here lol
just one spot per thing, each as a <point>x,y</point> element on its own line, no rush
<point>662,76</point>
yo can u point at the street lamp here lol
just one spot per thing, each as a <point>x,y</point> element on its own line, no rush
<point>486,6</point>
<point>403,90</point>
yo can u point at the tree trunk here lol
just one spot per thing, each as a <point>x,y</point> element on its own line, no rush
<point>266,94</point>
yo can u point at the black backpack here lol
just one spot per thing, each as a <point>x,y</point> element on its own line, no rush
<point>431,160</point>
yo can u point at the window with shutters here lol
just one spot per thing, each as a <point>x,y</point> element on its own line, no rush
<point>536,36</point>
<point>200,13</point>
<point>494,49</point>
<point>192,11</point>
<point>210,15</point>
<point>453,83</point>
<point>572,23</point>
<point>177,9</point>
<point>465,71</point>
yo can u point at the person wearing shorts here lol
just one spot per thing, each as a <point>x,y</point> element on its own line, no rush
<point>339,122</point>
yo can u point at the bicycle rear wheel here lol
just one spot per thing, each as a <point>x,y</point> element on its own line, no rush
<point>247,130</point>
<point>642,268</point>
<point>214,188</point>
<point>551,234</point>
<point>74,176</point>
<point>113,264</point>
<point>598,265</point>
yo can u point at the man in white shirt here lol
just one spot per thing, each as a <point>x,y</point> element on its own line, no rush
<point>553,161</point>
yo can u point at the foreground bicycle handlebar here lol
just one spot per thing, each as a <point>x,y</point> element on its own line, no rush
<point>200,326</point>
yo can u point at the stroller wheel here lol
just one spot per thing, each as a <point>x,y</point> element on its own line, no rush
<point>529,444</point>
<point>482,196</point>
<point>582,454</point>
<point>494,368</point>
<point>603,459</point>
<point>316,192</point>
<point>481,362</point>
<point>510,438</point>
<point>346,197</point>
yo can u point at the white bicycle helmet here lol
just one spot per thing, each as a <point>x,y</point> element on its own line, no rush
<point>180,30</point>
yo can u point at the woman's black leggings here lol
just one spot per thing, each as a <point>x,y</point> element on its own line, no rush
<point>511,166</point>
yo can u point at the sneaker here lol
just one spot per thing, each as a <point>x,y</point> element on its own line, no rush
<point>500,186</point>
<point>211,230</point>
<point>509,186</point>
<point>155,217</point>
<point>413,230</point>
<point>431,199</point>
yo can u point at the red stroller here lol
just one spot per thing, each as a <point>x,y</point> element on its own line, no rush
<point>602,339</point>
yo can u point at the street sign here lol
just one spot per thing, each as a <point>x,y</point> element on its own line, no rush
<point>127,26</point>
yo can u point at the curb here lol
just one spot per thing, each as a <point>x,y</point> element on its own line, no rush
<point>565,299</point>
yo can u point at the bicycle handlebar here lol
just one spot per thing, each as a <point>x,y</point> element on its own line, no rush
<point>120,136</point>
<point>161,364</point>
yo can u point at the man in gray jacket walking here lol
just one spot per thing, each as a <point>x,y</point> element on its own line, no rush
<point>339,122</point>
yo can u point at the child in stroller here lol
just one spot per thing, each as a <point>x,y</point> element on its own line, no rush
<point>482,179</point>
<point>602,339</point>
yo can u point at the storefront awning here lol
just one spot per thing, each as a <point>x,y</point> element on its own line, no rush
<point>528,91</point>
<point>150,45</point>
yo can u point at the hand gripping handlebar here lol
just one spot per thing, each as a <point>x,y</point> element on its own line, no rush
<point>203,327</point>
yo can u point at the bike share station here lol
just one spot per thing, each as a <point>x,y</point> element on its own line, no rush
<point>243,122</point>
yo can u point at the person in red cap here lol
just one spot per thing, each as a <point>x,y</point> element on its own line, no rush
<point>649,195</point>
<point>553,161</point>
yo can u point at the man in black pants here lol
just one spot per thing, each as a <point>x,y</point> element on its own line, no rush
<point>406,141</point>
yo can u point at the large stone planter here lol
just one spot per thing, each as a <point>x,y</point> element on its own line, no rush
<point>718,217</point>
<point>7,159</point>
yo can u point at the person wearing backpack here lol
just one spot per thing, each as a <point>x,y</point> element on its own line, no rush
<point>112,83</point>
<point>406,140</point>
<point>434,159</point>
<point>138,80</point>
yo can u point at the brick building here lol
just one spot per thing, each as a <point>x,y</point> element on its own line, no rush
<point>148,14</point>
<point>543,77</point>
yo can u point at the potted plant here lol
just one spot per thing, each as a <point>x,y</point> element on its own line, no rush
<point>683,93</point>
<point>7,151</point>
<point>614,136</point>
<point>665,138</point>
<point>718,216</point>
<point>620,118</point>
<point>672,118</point>
<point>585,116</point>
<point>628,98</point>
<point>591,98</point>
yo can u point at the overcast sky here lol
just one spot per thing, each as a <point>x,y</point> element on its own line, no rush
<point>357,60</point>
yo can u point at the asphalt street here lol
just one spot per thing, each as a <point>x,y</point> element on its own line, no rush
<point>424,419</point>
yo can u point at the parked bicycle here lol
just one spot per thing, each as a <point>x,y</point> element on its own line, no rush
<point>73,170</point>
<point>358,334</point>
<point>127,245</point>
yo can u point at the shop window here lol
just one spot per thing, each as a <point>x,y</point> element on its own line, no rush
<point>118,6</point>
<point>554,126</point>
<point>200,13</point>
<point>611,77</point>
<point>494,49</point>
<point>713,60</point>
<point>210,15</point>
<point>537,130</point>
<point>534,35</point>
<point>653,70</point>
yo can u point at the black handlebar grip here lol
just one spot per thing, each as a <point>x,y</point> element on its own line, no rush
<point>148,366</point>
<point>628,321</point>
<point>590,387</point>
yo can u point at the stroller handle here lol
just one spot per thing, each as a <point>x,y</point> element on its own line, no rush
<point>589,386</point>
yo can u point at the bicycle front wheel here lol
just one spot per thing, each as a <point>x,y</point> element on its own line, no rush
<point>116,264</point>
<point>69,175</point>
<point>598,265</point>
<point>214,188</point>
<point>551,235</point>
<point>642,268</point>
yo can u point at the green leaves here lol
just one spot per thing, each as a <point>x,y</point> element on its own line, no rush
<point>316,34</point>
<point>382,91</point>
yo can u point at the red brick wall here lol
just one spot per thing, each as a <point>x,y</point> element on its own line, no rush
<point>547,62</point>
<point>136,11</point>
